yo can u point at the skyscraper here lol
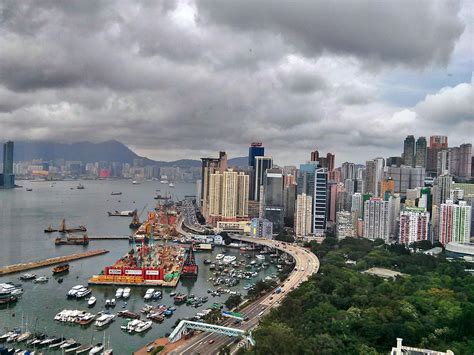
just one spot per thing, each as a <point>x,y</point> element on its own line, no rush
<point>454,222</point>
<point>420,152</point>
<point>256,149</point>
<point>273,208</point>
<point>413,225</point>
<point>7,179</point>
<point>374,173</point>
<point>344,225</point>
<point>442,187</point>
<point>348,171</point>
<point>303,223</point>
<point>376,217</point>
<point>437,143</point>
<point>324,162</point>
<point>210,166</point>
<point>320,201</point>
<point>262,163</point>
<point>409,151</point>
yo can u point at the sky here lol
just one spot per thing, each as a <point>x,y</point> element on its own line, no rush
<point>185,79</point>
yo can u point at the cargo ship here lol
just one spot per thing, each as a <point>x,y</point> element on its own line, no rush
<point>60,269</point>
<point>72,240</point>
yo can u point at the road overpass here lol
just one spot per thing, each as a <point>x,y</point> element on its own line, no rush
<point>306,264</point>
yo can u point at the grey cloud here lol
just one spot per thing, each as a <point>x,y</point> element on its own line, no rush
<point>411,33</point>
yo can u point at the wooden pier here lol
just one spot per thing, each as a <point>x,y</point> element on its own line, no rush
<point>10,269</point>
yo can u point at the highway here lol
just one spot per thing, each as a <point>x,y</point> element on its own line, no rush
<point>306,264</point>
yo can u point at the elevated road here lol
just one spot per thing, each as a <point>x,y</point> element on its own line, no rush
<point>306,264</point>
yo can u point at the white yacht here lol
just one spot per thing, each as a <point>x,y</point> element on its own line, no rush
<point>103,320</point>
<point>126,292</point>
<point>119,293</point>
<point>143,326</point>
<point>96,349</point>
<point>220,256</point>
<point>228,259</point>
<point>149,294</point>
<point>171,184</point>
<point>83,292</point>
<point>260,257</point>
<point>91,301</point>
<point>73,291</point>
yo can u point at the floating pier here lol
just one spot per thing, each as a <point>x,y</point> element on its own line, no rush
<point>10,269</point>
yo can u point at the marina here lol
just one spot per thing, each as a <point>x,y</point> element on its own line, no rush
<point>43,300</point>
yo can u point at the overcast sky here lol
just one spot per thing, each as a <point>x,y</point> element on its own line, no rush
<point>185,79</point>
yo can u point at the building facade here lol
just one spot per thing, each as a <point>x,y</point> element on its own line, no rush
<point>303,225</point>
<point>376,216</point>
<point>414,225</point>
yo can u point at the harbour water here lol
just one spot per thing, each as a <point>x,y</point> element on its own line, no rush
<point>23,217</point>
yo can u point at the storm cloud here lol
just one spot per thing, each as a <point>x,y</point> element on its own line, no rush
<point>186,79</point>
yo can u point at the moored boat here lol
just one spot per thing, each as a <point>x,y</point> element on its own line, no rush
<point>60,268</point>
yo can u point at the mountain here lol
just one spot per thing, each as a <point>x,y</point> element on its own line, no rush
<point>239,161</point>
<point>109,151</point>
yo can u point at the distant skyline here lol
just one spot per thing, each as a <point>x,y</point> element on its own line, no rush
<point>185,79</point>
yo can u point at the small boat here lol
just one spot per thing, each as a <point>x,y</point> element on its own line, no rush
<point>91,302</point>
<point>171,184</point>
<point>220,256</point>
<point>83,293</point>
<point>60,268</point>
<point>119,293</point>
<point>56,343</point>
<point>80,187</point>
<point>84,349</point>
<point>74,290</point>
<point>96,349</point>
<point>116,193</point>
<point>29,189</point>
<point>24,336</point>
<point>72,348</point>
<point>60,280</point>
<point>135,182</point>
<point>172,294</point>
<point>126,292</point>
<point>67,343</point>
<point>128,314</point>
<point>157,295</point>
<point>26,277</point>
<point>50,229</point>
<point>41,279</point>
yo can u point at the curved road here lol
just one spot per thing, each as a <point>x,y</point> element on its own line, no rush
<point>306,264</point>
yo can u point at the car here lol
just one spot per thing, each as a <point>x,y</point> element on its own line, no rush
<point>211,341</point>
<point>237,321</point>
<point>150,348</point>
<point>246,319</point>
<point>271,298</point>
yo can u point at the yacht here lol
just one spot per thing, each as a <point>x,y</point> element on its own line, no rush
<point>83,292</point>
<point>67,343</point>
<point>126,292</point>
<point>40,279</point>
<point>24,336</point>
<point>84,349</point>
<point>171,184</point>
<point>143,326</point>
<point>72,348</point>
<point>220,256</point>
<point>26,277</point>
<point>260,257</point>
<point>91,301</point>
<point>119,293</point>
<point>228,259</point>
<point>73,291</point>
<point>96,349</point>
<point>157,295</point>
<point>149,294</point>
<point>103,320</point>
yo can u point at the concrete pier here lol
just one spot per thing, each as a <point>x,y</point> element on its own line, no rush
<point>10,269</point>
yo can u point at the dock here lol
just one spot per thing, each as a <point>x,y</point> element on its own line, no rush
<point>110,237</point>
<point>10,269</point>
<point>95,280</point>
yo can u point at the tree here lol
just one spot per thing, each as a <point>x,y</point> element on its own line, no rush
<point>233,301</point>
<point>285,237</point>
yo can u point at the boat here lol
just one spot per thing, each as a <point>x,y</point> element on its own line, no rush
<point>135,223</point>
<point>96,349</point>
<point>143,326</point>
<point>228,259</point>
<point>72,240</point>
<point>83,293</point>
<point>126,292</point>
<point>67,343</point>
<point>149,294</point>
<point>260,257</point>
<point>41,279</point>
<point>119,293</point>
<point>80,187</point>
<point>157,295</point>
<point>220,256</point>
<point>24,336</point>
<point>50,229</point>
<point>84,349</point>
<point>74,290</point>
<point>60,269</point>
<point>27,277</point>
<point>72,348</point>
<point>104,320</point>
<point>86,319</point>
<point>120,213</point>
<point>180,298</point>
<point>55,343</point>
<point>5,336</point>
<point>116,193</point>
<point>171,184</point>
<point>63,229</point>
<point>29,189</point>
<point>91,302</point>
<point>128,314</point>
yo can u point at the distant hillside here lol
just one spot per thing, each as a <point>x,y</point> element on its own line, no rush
<point>109,151</point>
<point>239,161</point>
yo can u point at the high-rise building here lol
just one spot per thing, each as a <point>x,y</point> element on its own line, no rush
<point>387,186</point>
<point>420,152</point>
<point>443,186</point>
<point>256,149</point>
<point>409,151</point>
<point>289,203</point>
<point>262,163</point>
<point>437,143</point>
<point>394,161</point>
<point>454,222</point>
<point>348,171</point>
<point>357,205</point>
<point>344,225</point>
<point>315,155</point>
<point>376,217</point>
<point>374,173</point>
<point>414,225</point>
<point>210,166</point>
<point>465,161</point>
<point>7,179</point>
<point>320,201</point>
<point>303,223</point>
<point>261,228</point>
<point>405,177</point>
<point>273,208</point>
<point>324,162</point>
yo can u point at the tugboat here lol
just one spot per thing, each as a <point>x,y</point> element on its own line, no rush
<point>135,224</point>
<point>60,269</point>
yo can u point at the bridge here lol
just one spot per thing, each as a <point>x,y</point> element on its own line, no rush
<point>186,325</point>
